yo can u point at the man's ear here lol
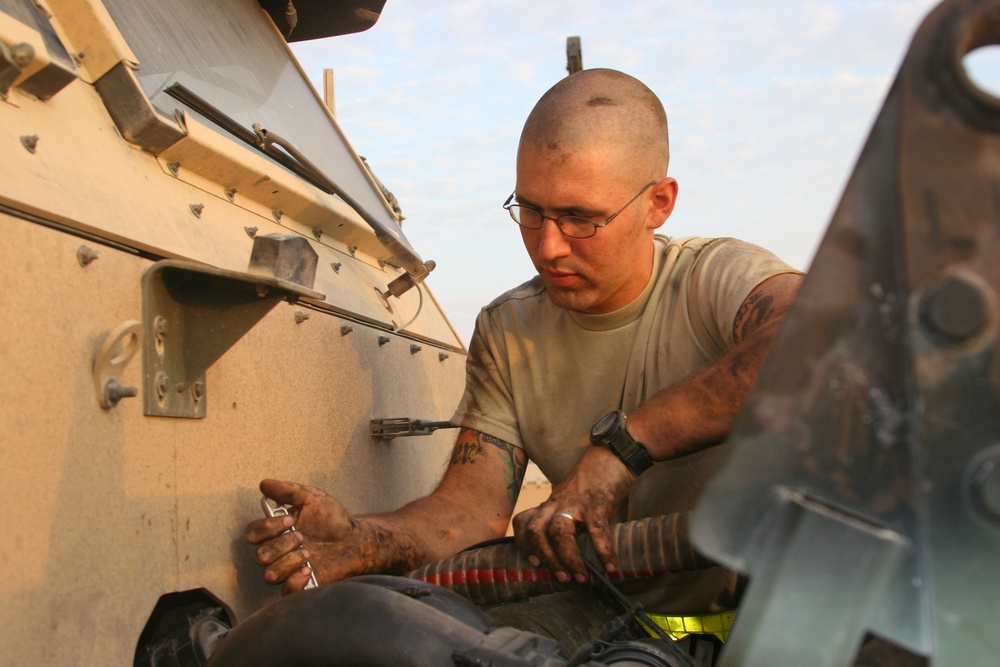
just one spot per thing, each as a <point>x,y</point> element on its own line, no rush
<point>664,198</point>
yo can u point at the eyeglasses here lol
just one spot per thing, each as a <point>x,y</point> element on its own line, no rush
<point>574,226</point>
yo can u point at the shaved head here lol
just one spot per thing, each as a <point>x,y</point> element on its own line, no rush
<point>602,110</point>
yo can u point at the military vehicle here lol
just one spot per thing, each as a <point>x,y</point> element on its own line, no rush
<point>204,285</point>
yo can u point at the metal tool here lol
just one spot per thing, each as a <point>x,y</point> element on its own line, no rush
<point>273,510</point>
<point>396,427</point>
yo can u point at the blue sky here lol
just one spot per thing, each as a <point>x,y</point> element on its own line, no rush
<point>769,104</point>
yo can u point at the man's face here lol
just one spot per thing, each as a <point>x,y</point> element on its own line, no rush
<point>597,274</point>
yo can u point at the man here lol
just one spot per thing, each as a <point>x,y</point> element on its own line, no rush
<point>670,332</point>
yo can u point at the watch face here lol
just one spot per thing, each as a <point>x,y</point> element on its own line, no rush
<point>605,424</point>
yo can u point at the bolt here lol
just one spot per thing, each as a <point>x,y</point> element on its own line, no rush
<point>414,348</point>
<point>197,390</point>
<point>197,209</point>
<point>352,249</point>
<point>985,486</point>
<point>174,168</point>
<point>301,316</point>
<point>317,233</point>
<point>442,356</point>
<point>251,231</point>
<point>335,266</point>
<point>86,255</point>
<point>78,57</point>
<point>160,328</point>
<point>277,215</point>
<point>382,340</point>
<point>230,194</point>
<point>953,311</point>
<point>345,329</point>
<point>29,141</point>
<point>114,392</point>
<point>162,385</point>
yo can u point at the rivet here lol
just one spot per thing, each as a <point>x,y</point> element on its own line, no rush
<point>382,340</point>
<point>301,316</point>
<point>29,141</point>
<point>442,356</point>
<point>345,329</point>
<point>251,231</point>
<point>197,209</point>
<point>278,214</point>
<point>174,168</point>
<point>78,57</point>
<point>414,348</point>
<point>317,233</point>
<point>230,194</point>
<point>381,263</point>
<point>952,311</point>
<point>86,255</point>
<point>352,249</point>
<point>335,266</point>
<point>197,390</point>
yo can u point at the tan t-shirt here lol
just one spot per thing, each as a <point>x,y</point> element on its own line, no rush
<point>539,376</point>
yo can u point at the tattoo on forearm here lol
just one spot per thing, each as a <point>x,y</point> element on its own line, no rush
<point>514,460</point>
<point>755,311</point>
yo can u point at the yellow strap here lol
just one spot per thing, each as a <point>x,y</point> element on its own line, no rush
<point>679,627</point>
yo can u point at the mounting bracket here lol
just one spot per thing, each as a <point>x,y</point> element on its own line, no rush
<point>192,314</point>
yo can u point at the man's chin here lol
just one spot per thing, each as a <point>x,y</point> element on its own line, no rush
<point>568,299</point>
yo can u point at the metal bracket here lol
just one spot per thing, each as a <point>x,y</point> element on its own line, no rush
<point>859,490</point>
<point>192,314</point>
<point>393,427</point>
<point>12,63</point>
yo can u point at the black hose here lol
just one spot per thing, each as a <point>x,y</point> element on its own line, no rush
<point>500,573</point>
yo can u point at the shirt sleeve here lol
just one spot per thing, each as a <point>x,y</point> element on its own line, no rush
<point>726,272</point>
<point>487,404</point>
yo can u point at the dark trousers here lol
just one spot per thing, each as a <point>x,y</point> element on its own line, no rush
<point>576,617</point>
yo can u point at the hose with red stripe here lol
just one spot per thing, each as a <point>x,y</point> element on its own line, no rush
<point>499,573</point>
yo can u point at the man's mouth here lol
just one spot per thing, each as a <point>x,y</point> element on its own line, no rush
<point>559,278</point>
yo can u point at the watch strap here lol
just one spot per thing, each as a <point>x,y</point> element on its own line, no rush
<point>631,452</point>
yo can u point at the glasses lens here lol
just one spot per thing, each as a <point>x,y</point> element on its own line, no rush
<point>578,228</point>
<point>526,217</point>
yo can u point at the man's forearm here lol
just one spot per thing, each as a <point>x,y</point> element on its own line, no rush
<point>424,531</point>
<point>700,411</point>
<point>473,503</point>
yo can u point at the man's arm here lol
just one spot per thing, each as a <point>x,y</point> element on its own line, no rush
<point>700,410</point>
<point>472,503</point>
<point>696,413</point>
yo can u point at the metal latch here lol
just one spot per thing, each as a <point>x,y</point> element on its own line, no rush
<point>393,427</point>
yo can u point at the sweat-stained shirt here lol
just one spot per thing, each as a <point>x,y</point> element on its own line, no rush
<point>538,376</point>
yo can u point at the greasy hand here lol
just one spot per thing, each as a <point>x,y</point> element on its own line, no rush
<point>590,494</point>
<point>325,535</point>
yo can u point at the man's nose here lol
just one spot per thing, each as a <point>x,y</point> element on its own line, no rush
<point>552,243</point>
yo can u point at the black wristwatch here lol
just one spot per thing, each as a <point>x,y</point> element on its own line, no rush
<point>610,432</point>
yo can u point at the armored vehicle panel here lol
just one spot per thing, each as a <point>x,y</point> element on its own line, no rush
<point>191,304</point>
